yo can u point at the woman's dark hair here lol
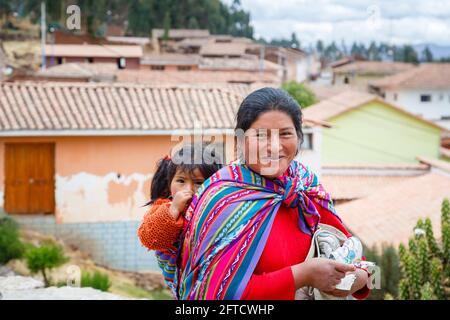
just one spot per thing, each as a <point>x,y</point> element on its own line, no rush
<point>268,99</point>
<point>202,156</point>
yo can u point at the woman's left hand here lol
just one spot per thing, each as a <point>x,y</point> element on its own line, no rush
<point>360,281</point>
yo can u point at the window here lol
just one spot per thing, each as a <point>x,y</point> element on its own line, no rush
<point>346,81</point>
<point>160,68</point>
<point>184,68</point>
<point>395,96</point>
<point>121,63</point>
<point>307,141</point>
<point>90,60</point>
<point>425,98</point>
<point>60,60</point>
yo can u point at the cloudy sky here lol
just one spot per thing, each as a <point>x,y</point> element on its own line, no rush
<point>397,22</point>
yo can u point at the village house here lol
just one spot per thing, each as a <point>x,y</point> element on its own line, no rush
<point>76,159</point>
<point>124,56</point>
<point>386,211</point>
<point>360,73</point>
<point>423,90</point>
<point>368,130</point>
<point>349,182</point>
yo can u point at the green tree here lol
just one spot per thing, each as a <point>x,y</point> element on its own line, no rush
<point>427,55</point>
<point>45,258</point>
<point>304,96</point>
<point>319,46</point>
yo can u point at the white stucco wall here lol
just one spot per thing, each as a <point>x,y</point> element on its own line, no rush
<point>312,157</point>
<point>438,107</point>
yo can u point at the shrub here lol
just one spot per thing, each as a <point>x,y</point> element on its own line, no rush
<point>44,258</point>
<point>10,245</point>
<point>304,96</point>
<point>425,263</point>
<point>97,280</point>
<point>388,262</point>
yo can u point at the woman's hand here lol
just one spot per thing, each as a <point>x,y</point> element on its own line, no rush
<point>323,274</point>
<point>180,201</point>
<point>360,282</point>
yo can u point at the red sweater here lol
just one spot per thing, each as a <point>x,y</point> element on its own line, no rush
<point>286,246</point>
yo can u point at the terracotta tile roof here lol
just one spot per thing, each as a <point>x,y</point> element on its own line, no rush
<point>171,58</point>
<point>344,187</point>
<point>203,76</point>
<point>50,106</point>
<point>355,181</point>
<point>142,41</point>
<point>223,49</point>
<point>445,152</point>
<point>349,100</point>
<point>425,76</point>
<point>435,163</point>
<point>181,33</point>
<point>373,68</point>
<point>80,70</point>
<point>192,42</point>
<point>390,214</point>
<point>93,50</point>
<point>338,104</point>
<point>323,92</point>
<point>251,63</point>
<point>374,166</point>
<point>81,106</point>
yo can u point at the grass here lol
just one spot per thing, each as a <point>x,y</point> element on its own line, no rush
<point>131,291</point>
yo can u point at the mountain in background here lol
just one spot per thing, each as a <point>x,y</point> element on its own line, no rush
<point>438,51</point>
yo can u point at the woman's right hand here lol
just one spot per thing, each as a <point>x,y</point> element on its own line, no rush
<point>323,274</point>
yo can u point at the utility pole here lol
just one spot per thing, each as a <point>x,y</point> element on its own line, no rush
<point>43,35</point>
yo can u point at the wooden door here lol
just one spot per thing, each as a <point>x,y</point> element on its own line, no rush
<point>29,175</point>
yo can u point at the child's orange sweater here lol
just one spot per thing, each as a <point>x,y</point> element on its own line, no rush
<point>159,230</point>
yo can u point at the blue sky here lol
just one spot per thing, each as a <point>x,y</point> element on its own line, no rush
<point>395,22</point>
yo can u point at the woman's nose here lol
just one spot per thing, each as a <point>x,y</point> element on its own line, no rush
<point>274,145</point>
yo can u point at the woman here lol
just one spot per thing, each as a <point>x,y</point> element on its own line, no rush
<point>250,225</point>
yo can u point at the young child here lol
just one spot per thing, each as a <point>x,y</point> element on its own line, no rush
<point>173,185</point>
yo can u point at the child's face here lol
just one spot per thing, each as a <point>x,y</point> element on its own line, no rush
<point>184,181</point>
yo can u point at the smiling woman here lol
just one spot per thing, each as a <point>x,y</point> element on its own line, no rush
<point>250,225</point>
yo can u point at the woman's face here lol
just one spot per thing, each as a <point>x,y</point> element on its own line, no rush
<point>271,144</point>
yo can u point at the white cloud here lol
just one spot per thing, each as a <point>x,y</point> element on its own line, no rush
<point>402,21</point>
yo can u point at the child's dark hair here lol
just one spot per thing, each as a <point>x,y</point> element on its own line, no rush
<point>202,156</point>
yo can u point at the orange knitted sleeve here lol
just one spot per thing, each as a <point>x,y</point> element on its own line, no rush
<point>159,230</point>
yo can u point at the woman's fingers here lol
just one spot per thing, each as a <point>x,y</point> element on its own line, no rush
<point>339,274</point>
<point>343,267</point>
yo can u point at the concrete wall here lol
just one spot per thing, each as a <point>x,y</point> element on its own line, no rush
<point>111,244</point>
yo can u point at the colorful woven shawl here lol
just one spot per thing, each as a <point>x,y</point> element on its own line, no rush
<point>229,220</point>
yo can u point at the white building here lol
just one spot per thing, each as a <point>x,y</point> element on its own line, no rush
<point>423,90</point>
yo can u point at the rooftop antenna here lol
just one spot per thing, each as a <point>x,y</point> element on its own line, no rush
<point>43,35</point>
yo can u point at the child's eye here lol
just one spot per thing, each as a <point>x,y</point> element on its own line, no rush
<point>180,180</point>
